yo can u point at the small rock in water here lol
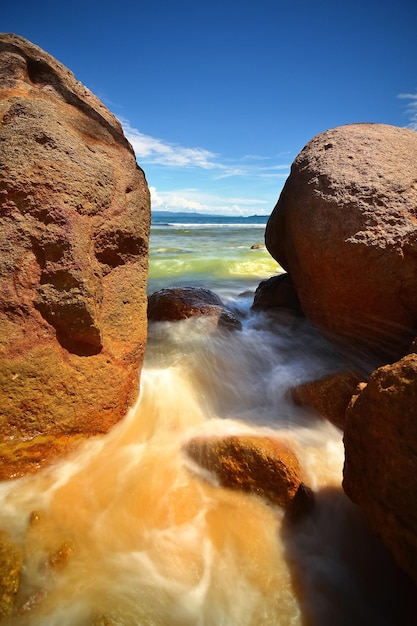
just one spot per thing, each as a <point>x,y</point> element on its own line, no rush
<point>258,465</point>
<point>277,292</point>
<point>330,396</point>
<point>11,560</point>
<point>179,303</point>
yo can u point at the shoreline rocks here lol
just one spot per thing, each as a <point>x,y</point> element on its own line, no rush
<point>344,228</point>
<point>330,396</point>
<point>257,465</point>
<point>380,472</point>
<point>75,219</point>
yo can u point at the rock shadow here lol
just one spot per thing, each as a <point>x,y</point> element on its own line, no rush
<point>342,574</point>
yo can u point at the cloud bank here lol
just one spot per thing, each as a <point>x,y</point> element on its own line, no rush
<point>193,200</point>
<point>208,177</point>
<point>152,150</point>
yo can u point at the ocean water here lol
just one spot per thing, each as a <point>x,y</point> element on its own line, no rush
<point>212,251</point>
<point>126,532</point>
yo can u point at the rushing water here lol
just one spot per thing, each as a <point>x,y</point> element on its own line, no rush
<point>126,533</point>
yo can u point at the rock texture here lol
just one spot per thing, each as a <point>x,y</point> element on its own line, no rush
<point>345,229</point>
<point>259,465</point>
<point>179,303</point>
<point>380,472</point>
<point>75,215</point>
<point>329,396</point>
<point>11,561</point>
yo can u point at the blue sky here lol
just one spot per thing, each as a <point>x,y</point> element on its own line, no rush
<point>218,97</point>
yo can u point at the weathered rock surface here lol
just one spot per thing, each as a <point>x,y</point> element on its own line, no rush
<point>330,396</point>
<point>179,303</point>
<point>345,229</point>
<point>380,472</point>
<point>259,465</point>
<point>75,215</point>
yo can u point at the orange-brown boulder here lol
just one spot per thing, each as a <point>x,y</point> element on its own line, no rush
<point>74,230</point>
<point>329,396</point>
<point>345,229</point>
<point>179,303</point>
<point>380,472</point>
<point>253,464</point>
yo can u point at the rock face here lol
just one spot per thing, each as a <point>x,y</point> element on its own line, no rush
<point>259,465</point>
<point>380,471</point>
<point>179,303</point>
<point>345,229</point>
<point>75,215</point>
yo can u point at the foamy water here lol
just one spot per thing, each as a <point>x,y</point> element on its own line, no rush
<point>126,532</point>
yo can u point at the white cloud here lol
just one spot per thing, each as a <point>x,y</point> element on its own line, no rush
<point>255,171</point>
<point>152,150</point>
<point>205,170</point>
<point>411,109</point>
<point>192,200</point>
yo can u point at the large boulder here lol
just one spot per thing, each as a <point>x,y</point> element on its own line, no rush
<point>380,472</point>
<point>75,215</point>
<point>345,229</point>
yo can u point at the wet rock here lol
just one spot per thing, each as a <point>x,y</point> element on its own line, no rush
<point>73,261</point>
<point>11,560</point>
<point>262,466</point>
<point>178,303</point>
<point>60,558</point>
<point>344,227</point>
<point>380,472</point>
<point>329,396</point>
<point>277,292</point>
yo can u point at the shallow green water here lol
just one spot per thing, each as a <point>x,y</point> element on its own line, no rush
<point>218,256</point>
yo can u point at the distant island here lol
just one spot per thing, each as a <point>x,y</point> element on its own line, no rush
<point>190,214</point>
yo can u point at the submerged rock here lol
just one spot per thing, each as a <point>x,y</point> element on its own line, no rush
<point>344,228</point>
<point>380,472</point>
<point>258,465</point>
<point>329,396</point>
<point>75,215</point>
<point>11,561</point>
<point>179,303</point>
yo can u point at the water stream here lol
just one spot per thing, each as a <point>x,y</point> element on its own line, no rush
<point>126,532</point>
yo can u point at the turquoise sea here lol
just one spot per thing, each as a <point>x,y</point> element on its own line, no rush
<point>211,251</point>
